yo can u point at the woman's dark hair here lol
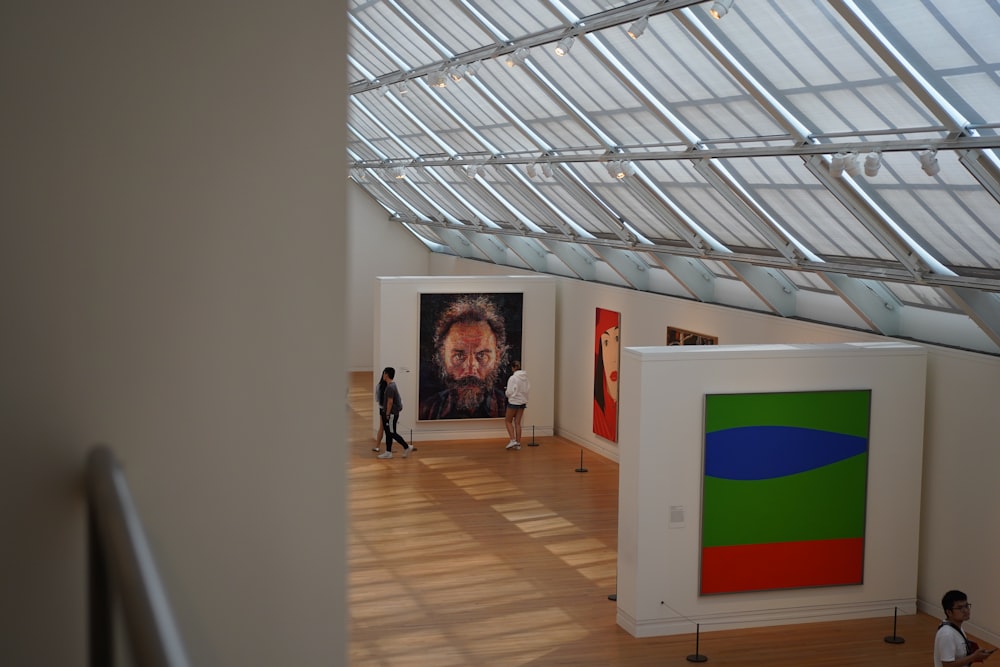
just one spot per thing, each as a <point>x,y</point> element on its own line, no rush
<point>382,384</point>
<point>599,379</point>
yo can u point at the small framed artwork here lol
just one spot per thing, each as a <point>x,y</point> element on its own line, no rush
<point>677,336</point>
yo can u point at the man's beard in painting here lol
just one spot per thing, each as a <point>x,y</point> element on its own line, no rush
<point>470,391</point>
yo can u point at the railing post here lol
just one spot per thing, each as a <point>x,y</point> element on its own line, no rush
<point>100,622</point>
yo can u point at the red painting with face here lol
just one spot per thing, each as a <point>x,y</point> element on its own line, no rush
<point>606,349</point>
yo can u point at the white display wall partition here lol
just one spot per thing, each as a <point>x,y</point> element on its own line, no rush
<point>662,436</point>
<point>397,344</point>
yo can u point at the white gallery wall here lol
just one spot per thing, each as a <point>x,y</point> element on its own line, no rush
<point>172,261</point>
<point>662,438</point>
<point>959,542</point>
<point>397,344</point>
<point>374,248</point>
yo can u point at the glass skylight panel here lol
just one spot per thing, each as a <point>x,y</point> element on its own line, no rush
<point>812,52</point>
<point>966,53</point>
<point>647,220</point>
<point>406,42</point>
<point>441,197</point>
<point>806,209</point>
<point>386,197</point>
<point>369,56</point>
<point>429,109</point>
<point>480,197</point>
<point>440,19</point>
<point>862,109</point>
<point>703,203</point>
<point>920,296</point>
<point>685,78</point>
<point>806,280</point>
<point>596,90</point>
<point>718,269</point>
<point>478,110</point>
<point>530,205</point>
<point>361,150</point>
<point>570,202</point>
<point>945,224</point>
<point>518,18</point>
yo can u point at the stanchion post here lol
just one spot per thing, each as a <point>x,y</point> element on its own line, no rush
<point>533,443</point>
<point>581,468</point>
<point>697,656</point>
<point>894,638</point>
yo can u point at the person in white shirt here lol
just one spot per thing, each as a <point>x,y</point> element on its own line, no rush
<point>517,400</point>
<point>951,647</point>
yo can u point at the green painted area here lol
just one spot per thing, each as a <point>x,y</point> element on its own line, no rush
<point>846,412</point>
<point>827,503</point>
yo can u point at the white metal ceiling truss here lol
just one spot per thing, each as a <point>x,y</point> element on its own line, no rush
<point>492,183</point>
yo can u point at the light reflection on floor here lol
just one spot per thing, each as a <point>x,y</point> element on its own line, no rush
<point>415,553</point>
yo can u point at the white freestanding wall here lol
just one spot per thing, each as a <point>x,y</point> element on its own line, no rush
<point>397,344</point>
<point>661,442</point>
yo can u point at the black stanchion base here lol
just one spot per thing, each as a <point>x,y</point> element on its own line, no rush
<point>613,597</point>
<point>697,657</point>
<point>582,470</point>
<point>532,444</point>
<point>894,639</point>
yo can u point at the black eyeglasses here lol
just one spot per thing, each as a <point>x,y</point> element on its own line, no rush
<point>962,607</point>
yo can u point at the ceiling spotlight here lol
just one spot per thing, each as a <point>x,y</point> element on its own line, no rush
<point>929,162</point>
<point>531,170</point>
<point>564,45</point>
<point>851,164</point>
<point>620,168</point>
<point>546,170</point>
<point>518,57</point>
<point>398,172</point>
<point>455,74</point>
<point>837,164</point>
<point>438,79</point>
<point>639,27</point>
<point>720,8</point>
<point>471,69</point>
<point>873,162</point>
<point>402,88</point>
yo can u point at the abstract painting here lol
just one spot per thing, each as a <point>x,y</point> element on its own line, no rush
<point>784,490</point>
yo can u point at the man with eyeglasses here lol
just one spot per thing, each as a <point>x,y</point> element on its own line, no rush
<point>951,647</point>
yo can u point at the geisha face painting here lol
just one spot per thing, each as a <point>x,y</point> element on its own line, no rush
<point>606,350</point>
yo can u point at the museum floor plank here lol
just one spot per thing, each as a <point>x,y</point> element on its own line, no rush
<point>468,554</point>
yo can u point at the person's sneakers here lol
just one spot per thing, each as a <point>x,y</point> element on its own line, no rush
<point>387,455</point>
<point>406,451</point>
<point>376,449</point>
<point>513,444</point>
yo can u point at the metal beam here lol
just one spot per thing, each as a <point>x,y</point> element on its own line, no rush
<point>869,300</point>
<point>460,244</point>
<point>626,264</point>
<point>770,286</point>
<point>690,273</point>
<point>530,251</point>
<point>982,308</point>
<point>578,261</point>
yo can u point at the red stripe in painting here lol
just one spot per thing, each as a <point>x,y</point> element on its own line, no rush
<point>758,567</point>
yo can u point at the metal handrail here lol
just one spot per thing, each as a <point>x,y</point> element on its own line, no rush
<point>122,568</point>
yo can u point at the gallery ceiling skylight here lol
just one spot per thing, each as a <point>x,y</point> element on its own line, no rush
<point>811,152</point>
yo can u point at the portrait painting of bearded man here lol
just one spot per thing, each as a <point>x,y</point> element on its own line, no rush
<point>466,344</point>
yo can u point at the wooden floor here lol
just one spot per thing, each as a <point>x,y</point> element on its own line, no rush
<point>468,554</point>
